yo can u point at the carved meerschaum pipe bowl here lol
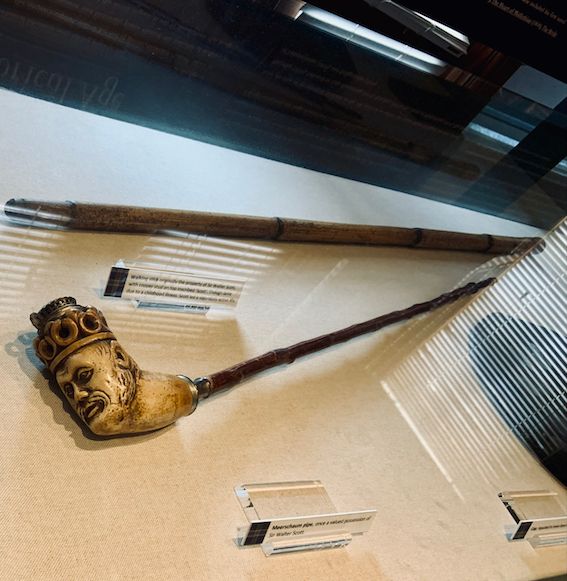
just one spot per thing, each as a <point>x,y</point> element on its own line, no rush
<point>103,384</point>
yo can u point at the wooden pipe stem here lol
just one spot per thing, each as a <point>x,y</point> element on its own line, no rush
<point>234,375</point>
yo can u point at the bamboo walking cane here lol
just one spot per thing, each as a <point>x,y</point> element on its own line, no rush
<point>115,218</point>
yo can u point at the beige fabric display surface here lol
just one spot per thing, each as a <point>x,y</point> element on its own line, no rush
<point>162,505</point>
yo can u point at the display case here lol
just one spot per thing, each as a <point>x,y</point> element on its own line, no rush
<point>216,183</point>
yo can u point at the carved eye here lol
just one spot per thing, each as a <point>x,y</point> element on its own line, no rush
<point>84,375</point>
<point>69,391</point>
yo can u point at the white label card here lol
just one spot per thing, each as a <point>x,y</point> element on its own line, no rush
<point>307,526</point>
<point>171,287</point>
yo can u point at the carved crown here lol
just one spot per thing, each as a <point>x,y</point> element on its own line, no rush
<point>63,327</point>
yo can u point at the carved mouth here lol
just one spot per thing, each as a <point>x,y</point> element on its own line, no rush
<point>93,407</point>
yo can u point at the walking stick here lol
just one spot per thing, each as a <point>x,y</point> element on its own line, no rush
<point>113,218</point>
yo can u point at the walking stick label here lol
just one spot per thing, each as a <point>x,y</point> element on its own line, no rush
<point>169,288</point>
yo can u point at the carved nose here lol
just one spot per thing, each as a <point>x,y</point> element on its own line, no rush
<point>80,394</point>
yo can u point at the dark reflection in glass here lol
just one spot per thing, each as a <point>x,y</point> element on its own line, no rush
<point>269,79</point>
<point>523,370</point>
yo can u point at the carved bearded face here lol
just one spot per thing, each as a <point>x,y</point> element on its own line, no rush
<point>99,381</point>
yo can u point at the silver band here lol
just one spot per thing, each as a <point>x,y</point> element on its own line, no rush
<point>203,387</point>
<point>194,393</point>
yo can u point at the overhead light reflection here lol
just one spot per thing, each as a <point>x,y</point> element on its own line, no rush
<point>371,40</point>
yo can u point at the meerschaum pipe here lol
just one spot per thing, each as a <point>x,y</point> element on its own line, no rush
<point>110,393</point>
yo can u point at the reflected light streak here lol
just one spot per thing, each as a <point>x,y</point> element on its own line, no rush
<point>513,334</point>
<point>222,264</point>
<point>371,40</point>
<point>323,283</point>
<point>222,245</point>
<point>189,333</point>
<point>37,217</point>
<point>450,397</point>
<point>171,235</point>
<point>24,259</point>
<point>192,333</point>
<point>210,256</point>
<point>423,442</point>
